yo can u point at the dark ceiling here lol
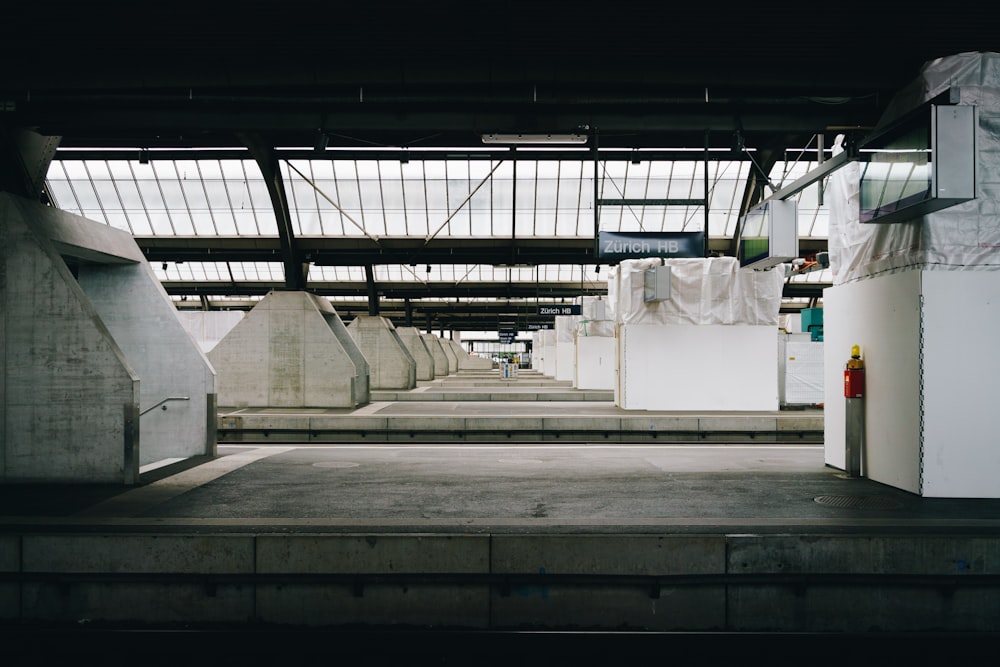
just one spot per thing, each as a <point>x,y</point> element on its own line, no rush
<point>439,74</point>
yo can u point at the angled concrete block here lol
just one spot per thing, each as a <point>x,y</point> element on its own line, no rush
<point>437,353</point>
<point>390,364</point>
<point>415,345</point>
<point>293,351</point>
<point>449,354</point>
<point>176,377</point>
<point>69,398</point>
<point>469,362</point>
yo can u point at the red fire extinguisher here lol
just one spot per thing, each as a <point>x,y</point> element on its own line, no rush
<point>854,375</point>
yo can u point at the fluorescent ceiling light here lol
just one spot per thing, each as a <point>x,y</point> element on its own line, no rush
<point>534,138</point>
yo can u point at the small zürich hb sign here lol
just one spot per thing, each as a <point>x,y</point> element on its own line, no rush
<point>637,245</point>
<point>558,309</point>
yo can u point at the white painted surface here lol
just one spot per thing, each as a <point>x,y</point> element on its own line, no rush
<point>565,361</point>
<point>803,371</point>
<point>595,362</point>
<point>565,343</point>
<point>961,376</point>
<point>882,316</point>
<point>549,352</point>
<point>698,367</point>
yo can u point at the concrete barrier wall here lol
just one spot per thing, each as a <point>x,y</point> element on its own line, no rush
<point>69,398</point>
<point>738,583</point>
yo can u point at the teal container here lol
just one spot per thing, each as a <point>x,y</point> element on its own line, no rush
<point>812,322</point>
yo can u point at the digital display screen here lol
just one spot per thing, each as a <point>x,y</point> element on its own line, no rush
<point>755,241</point>
<point>897,173</point>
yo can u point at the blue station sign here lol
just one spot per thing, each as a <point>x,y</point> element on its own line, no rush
<point>558,309</point>
<point>637,245</point>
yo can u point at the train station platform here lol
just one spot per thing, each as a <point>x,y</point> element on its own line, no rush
<point>438,547</point>
<point>480,406</point>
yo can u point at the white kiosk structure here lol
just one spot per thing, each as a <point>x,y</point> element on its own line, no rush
<point>565,347</point>
<point>547,351</point>
<point>901,274</point>
<point>712,345</point>
<point>595,345</point>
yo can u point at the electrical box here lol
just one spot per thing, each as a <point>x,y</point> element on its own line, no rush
<point>656,284</point>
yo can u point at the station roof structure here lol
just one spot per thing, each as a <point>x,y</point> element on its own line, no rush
<point>376,153</point>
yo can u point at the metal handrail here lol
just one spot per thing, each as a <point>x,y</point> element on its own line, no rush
<point>168,398</point>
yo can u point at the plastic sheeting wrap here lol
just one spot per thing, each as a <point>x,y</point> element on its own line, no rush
<point>595,308</point>
<point>702,291</point>
<point>566,328</point>
<point>597,319</point>
<point>965,236</point>
<point>601,328</point>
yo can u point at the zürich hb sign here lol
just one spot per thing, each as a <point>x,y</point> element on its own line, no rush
<point>637,245</point>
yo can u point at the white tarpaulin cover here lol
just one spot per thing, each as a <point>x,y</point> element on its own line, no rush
<point>603,328</point>
<point>597,319</point>
<point>566,328</point>
<point>965,236</point>
<point>702,291</point>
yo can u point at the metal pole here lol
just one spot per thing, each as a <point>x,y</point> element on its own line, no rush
<point>855,436</point>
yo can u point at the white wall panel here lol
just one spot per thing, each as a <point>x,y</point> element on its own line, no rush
<point>882,316</point>
<point>698,367</point>
<point>961,376</point>
<point>595,362</point>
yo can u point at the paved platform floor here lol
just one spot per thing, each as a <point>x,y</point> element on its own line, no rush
<point>497,488</point>
<point>571,498</point>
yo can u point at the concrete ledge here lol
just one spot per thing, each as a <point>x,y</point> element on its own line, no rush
<point>373,554</point>
<point>737,423</point>
<point>646,423</point>
<point>945,555</point>
<point>187,554</point>
<point>703,582</point>
<point>609,554</point>
<point>309,427</point>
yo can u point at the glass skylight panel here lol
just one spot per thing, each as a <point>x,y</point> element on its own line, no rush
<point>343,273</point>
<point>165,197</point>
